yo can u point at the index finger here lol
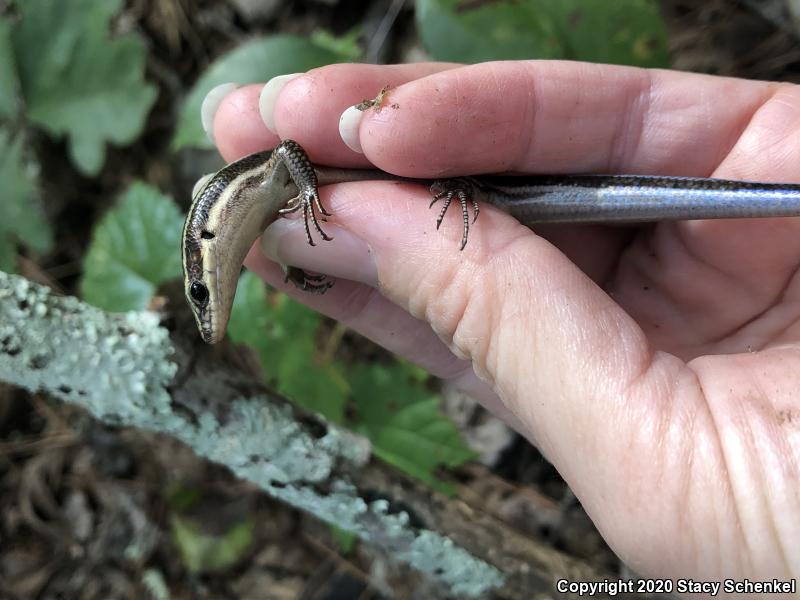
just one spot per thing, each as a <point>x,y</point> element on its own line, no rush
<point>526,116</point>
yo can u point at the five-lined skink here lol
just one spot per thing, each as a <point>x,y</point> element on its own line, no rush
<point>237,203</point>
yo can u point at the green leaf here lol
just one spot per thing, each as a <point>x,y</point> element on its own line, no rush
<point>621,32</point>
<point>202,552</point>
<point>254,62</point>
<point>391,405</point>
<point>134,248</point>
<point>283,333</point>
<point>78,82</point>
<point>181,497</point>
<point>344,539</point>
<point>345,46</point>
<point>403,420</point>
<point>7,256</point>
<point>9,85</point>
<point>21,215</point>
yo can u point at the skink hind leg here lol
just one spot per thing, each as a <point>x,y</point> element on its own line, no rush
<point>316,284</point>
<point>462,189</point>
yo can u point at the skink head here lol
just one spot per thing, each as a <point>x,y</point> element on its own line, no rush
<point>218,232</point>
<point>200,265</point>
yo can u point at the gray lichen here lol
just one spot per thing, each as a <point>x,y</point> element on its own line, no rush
<point>116,366</point>
<point>121,367</point>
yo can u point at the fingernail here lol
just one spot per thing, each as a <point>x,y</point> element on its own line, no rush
<point>345,256</point>
<point>269,93</point>
<point>210,105</point>
<point>201,184</point>
<point>348,128</point>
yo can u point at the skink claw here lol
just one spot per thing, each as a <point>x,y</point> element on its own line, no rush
<point>319,206</point>
<point>461,188</point>
<point>315,284</point>
<point>308,200</point>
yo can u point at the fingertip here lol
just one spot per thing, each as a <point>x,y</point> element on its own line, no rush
<point>210,105</point>
<point>310,108</point>
<point>269,96</point>
<point>238,127</point>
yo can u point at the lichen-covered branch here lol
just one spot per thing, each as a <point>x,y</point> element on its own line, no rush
<point>777,12</point>
<point>127,369</point>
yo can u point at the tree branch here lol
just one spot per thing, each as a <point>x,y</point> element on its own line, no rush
<point>126,369</point>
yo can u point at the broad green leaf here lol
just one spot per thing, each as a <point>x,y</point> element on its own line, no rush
<point>9,86</point>
<point>203,552</point>
<point>134,248</point>
<point>620,32</point>
<point>78,82</point>
<point>283,333</point>
<point>7,255</point>
<point>254,62</point>
<point>403,421</point>
<point>21,216</point>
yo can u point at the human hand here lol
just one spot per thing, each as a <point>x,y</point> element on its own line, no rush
<point>657,368</point>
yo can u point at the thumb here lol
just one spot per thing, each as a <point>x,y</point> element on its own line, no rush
<point>555,348</point>
<point>571,368</point>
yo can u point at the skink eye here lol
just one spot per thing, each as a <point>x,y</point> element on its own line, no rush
<point>199,293</point>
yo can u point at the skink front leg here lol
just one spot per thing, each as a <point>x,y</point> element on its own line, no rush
<point>302,172</point>
<point>304,176</point>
